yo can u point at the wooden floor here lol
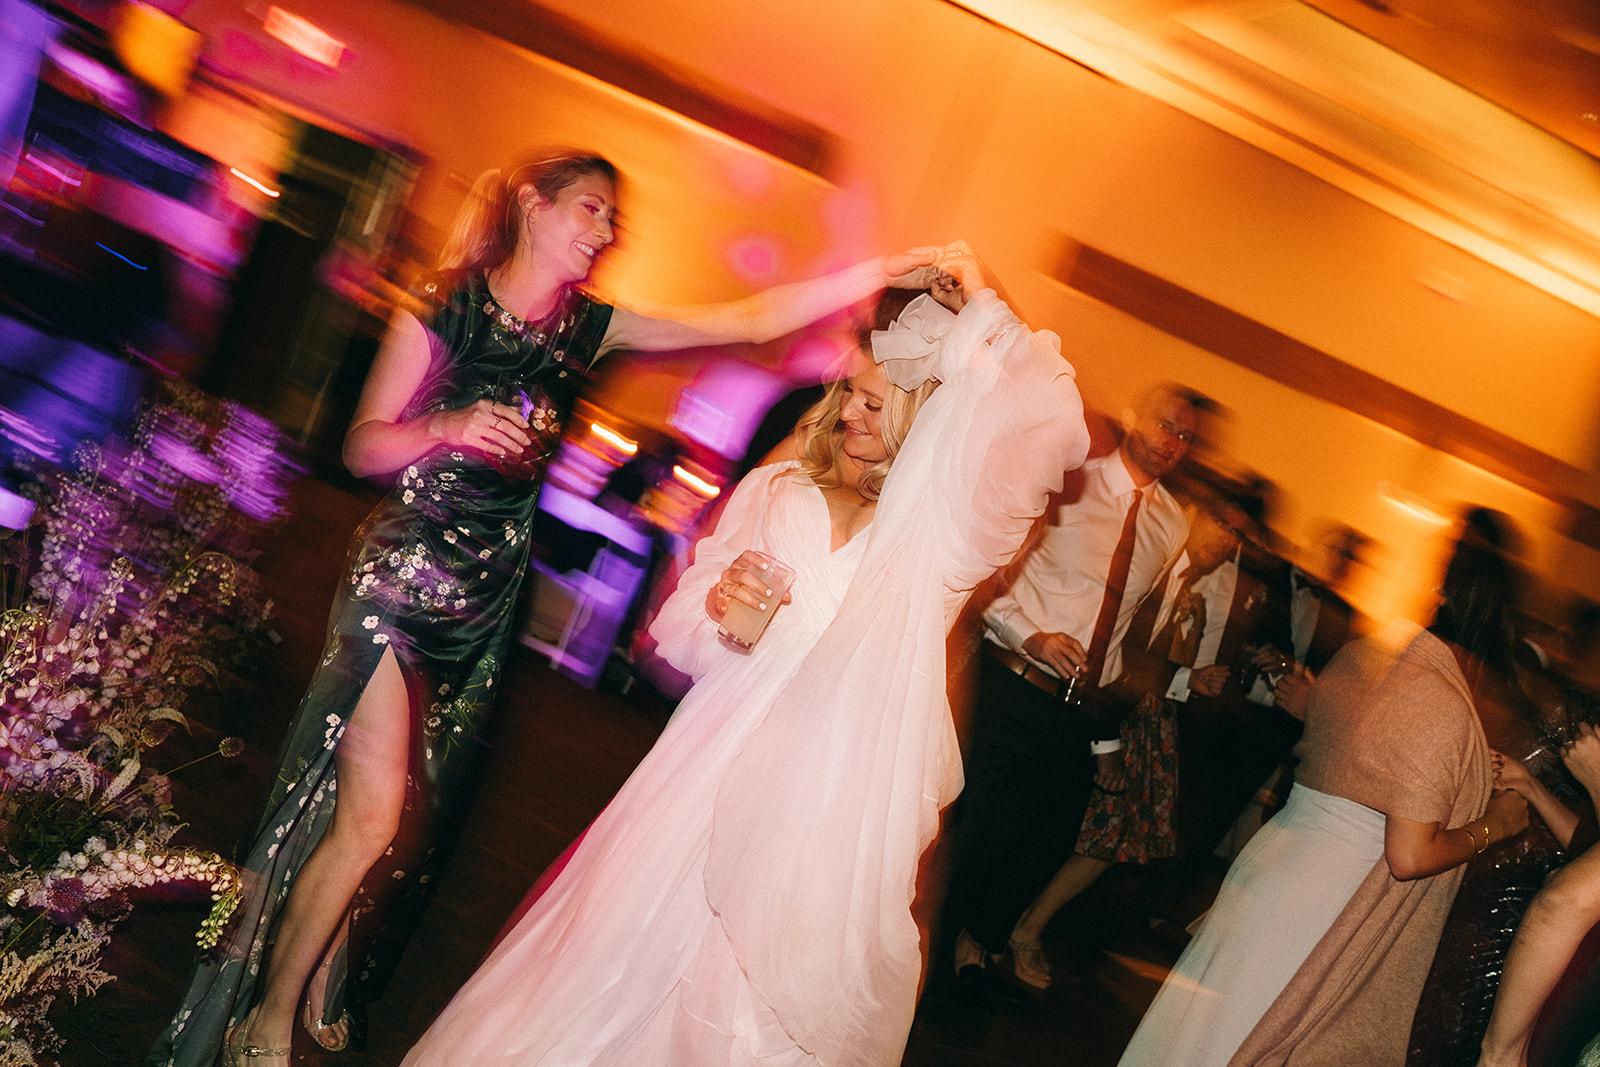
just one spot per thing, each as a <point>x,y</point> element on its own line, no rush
<point>560,753</point>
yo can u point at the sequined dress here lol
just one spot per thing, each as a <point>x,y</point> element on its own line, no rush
<point>433,573</point>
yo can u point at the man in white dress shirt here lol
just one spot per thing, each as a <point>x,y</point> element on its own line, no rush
<point>1179,646</point>
<point>1053,637</point>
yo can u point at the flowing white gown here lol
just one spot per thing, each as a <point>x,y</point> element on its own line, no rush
<point>745,898</point>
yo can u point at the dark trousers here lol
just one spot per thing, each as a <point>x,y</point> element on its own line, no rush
<point>1028,779</point>
<point>1226,750</point>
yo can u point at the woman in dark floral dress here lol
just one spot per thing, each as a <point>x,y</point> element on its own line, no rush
<point>376,759</point>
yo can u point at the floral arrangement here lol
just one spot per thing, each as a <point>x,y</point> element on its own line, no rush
<point>129,590</point>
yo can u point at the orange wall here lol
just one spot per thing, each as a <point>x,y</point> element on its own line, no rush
<point>953,127</point>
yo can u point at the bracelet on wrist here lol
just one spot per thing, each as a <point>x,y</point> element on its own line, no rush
<point>1487,840</point>
<point>1476,848</point>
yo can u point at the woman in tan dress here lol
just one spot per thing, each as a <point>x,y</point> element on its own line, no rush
<point>1319,941</point>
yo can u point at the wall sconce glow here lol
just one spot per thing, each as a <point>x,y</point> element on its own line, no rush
<point>699,485</point>
<point>242,176</point>
<point>303,37</point>
<point>614,439</point>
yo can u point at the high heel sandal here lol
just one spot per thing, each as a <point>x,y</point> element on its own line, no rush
<point>311,1018</point>
<point>969,958</point>
<point>1026,962</point>
<point>239,1054</point>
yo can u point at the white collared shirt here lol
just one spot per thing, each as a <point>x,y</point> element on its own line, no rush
<point>1062,582</point>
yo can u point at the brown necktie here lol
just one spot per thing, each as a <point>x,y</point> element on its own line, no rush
<point>1116,582</point>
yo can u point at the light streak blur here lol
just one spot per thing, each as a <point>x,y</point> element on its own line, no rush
<point>119,255</point>
<point>699,485</point>
<point>614,439</point>
<point>1416,509</point>
<point>254,183</point>
<point>304,37</point>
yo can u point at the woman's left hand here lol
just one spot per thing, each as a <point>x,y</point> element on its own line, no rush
<point>1292,693</point>
<point>966,268</point>
<point>739,581</point>
<point>1507,814</point>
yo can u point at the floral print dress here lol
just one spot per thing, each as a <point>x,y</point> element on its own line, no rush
<point>435,574</point>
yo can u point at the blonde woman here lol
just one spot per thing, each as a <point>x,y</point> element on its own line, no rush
<point>746,897</point>
<point>378,757</point>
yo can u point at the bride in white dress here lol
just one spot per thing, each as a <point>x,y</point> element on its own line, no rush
<point>745,898</point>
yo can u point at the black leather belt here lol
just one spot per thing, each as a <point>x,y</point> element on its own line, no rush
<point>1025,670</point>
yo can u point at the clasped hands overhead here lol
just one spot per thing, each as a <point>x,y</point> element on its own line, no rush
<point>950,273</point>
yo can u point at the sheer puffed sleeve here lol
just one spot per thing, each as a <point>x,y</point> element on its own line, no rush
<point>685,635</point>
<point>820,824</point>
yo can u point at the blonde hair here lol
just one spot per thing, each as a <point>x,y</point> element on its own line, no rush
<point>486,230</point>
<point>820,435</point>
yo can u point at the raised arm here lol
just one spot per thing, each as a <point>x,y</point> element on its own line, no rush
<point>380,442</point>
<point>768,314</point>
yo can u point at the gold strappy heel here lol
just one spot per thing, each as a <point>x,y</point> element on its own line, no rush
<point>240,1055</point>
<point>311,1017</point>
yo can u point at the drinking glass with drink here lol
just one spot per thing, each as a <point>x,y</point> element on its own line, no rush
<point>540,421</point>
<point>743,625</point>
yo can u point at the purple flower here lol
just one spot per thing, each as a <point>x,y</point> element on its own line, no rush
<point>65,900</point>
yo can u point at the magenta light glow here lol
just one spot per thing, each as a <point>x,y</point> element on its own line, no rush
<point>755,258</point>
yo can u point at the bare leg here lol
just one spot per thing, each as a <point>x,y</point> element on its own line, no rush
<point>1558,919</point>
<point>371,766</point>
<point>1076,875</point>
